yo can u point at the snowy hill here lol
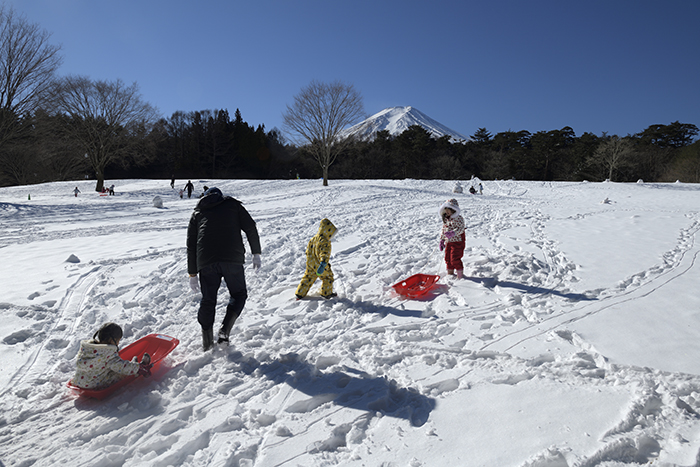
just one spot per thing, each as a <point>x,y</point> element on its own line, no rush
<point>397,120</point>
<point>572,340</point>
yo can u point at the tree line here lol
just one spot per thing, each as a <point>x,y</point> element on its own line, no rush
<point>658,153</point>
<point>66,128</point>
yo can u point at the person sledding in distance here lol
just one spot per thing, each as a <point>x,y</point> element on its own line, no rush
<point>99,364</point>
<point>452,237</point>
<point>318,253</point>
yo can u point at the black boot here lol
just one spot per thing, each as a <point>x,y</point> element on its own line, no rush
<point>223,337</point>
<point>208,338</point>
<point>227,325</point>
<point>224,333</point>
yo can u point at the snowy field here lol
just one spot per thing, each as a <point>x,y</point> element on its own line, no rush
<point>573,340</point>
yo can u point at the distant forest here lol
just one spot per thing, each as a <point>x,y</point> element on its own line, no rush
<point>212,145</point>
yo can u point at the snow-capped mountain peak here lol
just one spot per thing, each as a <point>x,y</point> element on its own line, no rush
<point>397,120</point>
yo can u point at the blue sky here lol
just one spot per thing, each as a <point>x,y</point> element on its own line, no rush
<point>614,66</point>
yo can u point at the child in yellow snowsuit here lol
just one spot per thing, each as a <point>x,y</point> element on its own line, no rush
<point>318,253</point>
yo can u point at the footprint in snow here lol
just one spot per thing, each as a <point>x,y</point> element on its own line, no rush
<point>18,337</point>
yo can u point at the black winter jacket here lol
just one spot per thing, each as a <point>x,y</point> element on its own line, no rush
<point>214,233</point>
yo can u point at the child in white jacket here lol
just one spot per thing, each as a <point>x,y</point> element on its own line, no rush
<point>452,237</point>
<point>99,364</point>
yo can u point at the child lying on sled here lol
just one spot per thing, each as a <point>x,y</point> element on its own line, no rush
<point>99,364</point>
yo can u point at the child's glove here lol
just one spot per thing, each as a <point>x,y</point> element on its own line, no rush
<point>194,284</point>
<point>145,370</point>
<point>257,262</point>
<point>321,268</point>
<point>449,234</point>
<point>442,244</point>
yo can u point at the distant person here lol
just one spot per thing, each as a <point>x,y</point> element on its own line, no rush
<point>111,190</point>
<point>189,188</point>
<point>172,182</point>
<point>99,364</point>
<point>214,251</point>
<point>472,190</point>
<point>452,237</point>
<point>76,191</point>
<point>318,253</point>
<point>481,189</point>
<point>205,188</point>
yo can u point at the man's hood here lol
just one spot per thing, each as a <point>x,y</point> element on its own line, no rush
<point>212,197</point>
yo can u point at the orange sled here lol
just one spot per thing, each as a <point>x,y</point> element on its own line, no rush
<point>158,346</point>
<point>417,285</point>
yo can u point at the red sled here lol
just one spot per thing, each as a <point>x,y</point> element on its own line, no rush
<point>417,285</point>
<point>158,346</point>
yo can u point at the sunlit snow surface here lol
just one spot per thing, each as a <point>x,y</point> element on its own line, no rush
<point>574,339</point>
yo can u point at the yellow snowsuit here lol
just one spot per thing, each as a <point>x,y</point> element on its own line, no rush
<point>318,250</point>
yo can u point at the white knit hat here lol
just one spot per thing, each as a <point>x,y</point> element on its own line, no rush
<point>452,204</point>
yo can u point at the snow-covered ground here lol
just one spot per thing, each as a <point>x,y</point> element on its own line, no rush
<point>573,340</point>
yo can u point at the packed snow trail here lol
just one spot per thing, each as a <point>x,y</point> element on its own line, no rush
<point>522,363</point>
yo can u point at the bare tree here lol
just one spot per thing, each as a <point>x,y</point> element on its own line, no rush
<point>614,154</point>
<point>27,62</point>
<point>108,119</point>
<point>27,67</point>
<point>318,116</point>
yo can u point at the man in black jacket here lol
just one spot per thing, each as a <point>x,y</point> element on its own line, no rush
<point>189,188</point>
<point>215,251</point>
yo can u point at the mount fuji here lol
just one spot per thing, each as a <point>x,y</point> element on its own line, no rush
<point>398,119</point>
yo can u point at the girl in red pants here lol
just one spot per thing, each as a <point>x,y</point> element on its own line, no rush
<point>452,238</point>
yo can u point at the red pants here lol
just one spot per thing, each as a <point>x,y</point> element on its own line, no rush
<point>453,254</point>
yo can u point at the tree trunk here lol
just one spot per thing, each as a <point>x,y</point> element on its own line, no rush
<point>100,181</point>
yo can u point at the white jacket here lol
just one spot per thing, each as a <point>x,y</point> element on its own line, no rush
<point>454,223</point>
<point>99,366</point>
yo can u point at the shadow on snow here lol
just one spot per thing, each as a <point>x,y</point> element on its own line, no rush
<point>384,310</point>
<point>350,388</point>
<point>491,282</point>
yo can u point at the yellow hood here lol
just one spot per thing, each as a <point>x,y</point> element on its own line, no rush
<point>326,229</point>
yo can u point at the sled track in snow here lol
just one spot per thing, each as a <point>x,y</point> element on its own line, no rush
<point>61,328</point>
